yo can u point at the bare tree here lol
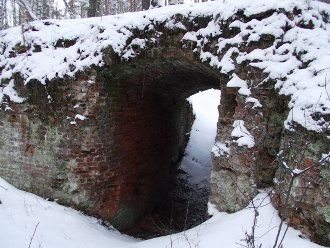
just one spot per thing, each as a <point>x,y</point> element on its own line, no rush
<point>69,8</point>
<point>145,4</point>
<point>29,14</point>
<point>3,14</point>
<point>93,6</point>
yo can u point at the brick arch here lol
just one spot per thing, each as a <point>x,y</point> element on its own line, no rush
<point>147,105</point>
<point>48,147</point>
<point>115,162</point>
<point>136,118</point>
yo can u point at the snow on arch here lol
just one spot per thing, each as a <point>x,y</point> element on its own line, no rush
<point>298,60</point>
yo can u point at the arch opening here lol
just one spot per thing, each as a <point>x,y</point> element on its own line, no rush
<point>152,120</point>
<point>188,194</point>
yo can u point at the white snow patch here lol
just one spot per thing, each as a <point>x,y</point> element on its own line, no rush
<point>226,64</point>
<point>80,117</point>
<point>256,103</point>
<point>236,82</point>
<point>325,158</point>
<point>220,149</point>
<point>76,106</point>
<point>59,226</point>
<point>297,171</point>
<point>212,209</point>
<point>172,25</point>
<point>242,135</point>
<point>11,93</point>
<point>76,117</point>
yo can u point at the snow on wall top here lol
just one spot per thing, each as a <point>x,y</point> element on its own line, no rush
<point>298,61</point>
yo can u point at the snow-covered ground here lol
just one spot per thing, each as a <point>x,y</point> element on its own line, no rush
<point>26,218</point>
<point>56,226</point>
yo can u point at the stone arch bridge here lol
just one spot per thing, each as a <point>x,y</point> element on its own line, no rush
<point>94,111</point>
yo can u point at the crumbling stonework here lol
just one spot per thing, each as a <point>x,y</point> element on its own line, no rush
<point>105,140</point>
<point>238,174</point>
<point>307,207</point>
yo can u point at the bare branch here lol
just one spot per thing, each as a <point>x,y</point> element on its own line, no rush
<point>3,187</point>
<point>67,7</point>
<point>23,4</point>
<point>34,232</point>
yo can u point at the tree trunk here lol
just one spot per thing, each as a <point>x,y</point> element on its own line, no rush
<point>155,3</point>
<point>92,10</point>
<point>145,4</point>
<point>68,8</point>
<point>107,7</point>
<point>28,11</point>
<point>45,10</point>
<point>3,14</point>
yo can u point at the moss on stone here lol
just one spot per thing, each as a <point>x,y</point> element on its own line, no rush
<point>325,173</point>
<point>326,214</point>
<point>323,230</point>
<point>20,48</point>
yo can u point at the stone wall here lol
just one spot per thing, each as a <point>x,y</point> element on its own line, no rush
<point>105,142</point>
<point>239,171</point>
<point>307,207</point>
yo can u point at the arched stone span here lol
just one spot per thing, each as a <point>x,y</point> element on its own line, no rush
<point>116,163</point>
<point>151,118</point>
<point>49,147</point>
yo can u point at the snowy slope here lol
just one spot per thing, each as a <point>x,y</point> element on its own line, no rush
<point>298,61</point>
<point>20,213</point>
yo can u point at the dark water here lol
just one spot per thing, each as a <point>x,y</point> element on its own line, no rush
<point>185,205</point>
<point>184,208</point>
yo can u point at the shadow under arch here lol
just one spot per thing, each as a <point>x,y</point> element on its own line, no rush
<point>150,118</point>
